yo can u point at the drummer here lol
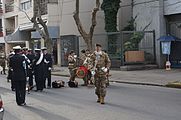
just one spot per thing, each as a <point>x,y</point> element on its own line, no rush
<point>82,64</point>
<point>86,62</point>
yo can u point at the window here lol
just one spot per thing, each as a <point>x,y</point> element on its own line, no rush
<point>26,5</point>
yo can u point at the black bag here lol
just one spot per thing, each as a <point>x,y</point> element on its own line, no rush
<point>73,84</point>
<point>58,84</point>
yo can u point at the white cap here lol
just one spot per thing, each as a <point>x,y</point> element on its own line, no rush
<point>43,48</point>
<point>25,48</point>
<point>37,49</point>
<point>17,48</point>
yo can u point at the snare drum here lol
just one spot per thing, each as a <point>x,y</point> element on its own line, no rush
<point>81,72</point>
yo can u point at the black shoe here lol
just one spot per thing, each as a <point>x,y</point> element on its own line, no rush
<point>48,87</point>
<point>22,104</point>
<point>36,90</point>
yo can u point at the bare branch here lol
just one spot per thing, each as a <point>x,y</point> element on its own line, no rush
<point>86,36</point>
<point>78,22</point>
<point>94,13</point>
<point>147,26</point>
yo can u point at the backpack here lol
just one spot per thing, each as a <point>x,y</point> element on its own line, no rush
<point>58,84</point>
<point>72,84</point>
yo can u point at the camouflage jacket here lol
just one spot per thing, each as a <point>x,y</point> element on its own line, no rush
<point>71,62</point>
<point>99,61</point>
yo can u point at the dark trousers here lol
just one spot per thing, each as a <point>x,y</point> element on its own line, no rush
<point>12,85</point>
<point>47,77</point>
<point>30,80</point>
<point>39,76</point>
<point>39,82</point>
<point>20,88</point>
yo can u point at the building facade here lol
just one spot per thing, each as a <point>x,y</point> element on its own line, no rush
<point>2,42</point>
<point>165,18</point>
<point>58,14</point>
<point>19,30</point>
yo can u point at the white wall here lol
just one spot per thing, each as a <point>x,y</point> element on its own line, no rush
<point>172,7</point>
<point>151,12</point>
<point>68,26</point>
<point>124,14</point>
<point>53,15</point>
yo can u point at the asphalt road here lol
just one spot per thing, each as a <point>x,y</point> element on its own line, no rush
<point>123,102</point>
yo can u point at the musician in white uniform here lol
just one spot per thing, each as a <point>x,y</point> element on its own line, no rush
<point>39,70</point>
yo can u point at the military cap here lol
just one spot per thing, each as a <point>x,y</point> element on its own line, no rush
<point>17,48</point>
<point>98,45</point>
<point>29,49</point>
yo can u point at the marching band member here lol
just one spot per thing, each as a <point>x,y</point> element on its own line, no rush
<point>31,57</point>
<point>38,66</point>
<point>72,65</point>
<point>17,64</point>
<point>88,64</point>
<point>48,67</point>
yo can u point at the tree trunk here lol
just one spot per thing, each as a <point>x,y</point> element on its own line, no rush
<point>36,20</point>
<point>86,36</point>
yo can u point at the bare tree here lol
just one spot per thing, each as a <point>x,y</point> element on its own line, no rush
<point>86,36</point>
<point>38,21</point>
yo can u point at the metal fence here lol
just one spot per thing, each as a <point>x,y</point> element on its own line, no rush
<point>116,44</point>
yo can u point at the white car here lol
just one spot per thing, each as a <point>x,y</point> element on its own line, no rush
<point>1,109</point>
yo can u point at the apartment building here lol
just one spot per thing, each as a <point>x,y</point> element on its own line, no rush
<point>165,18</point>
<point>2,42</point>
<point>69,33</point>
<point>58,14</point>
<point>17,27</point>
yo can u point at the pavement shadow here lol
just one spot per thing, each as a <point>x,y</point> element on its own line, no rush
<point>5,90</point>
<point>45,114</point>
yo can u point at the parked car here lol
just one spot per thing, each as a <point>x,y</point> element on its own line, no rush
<point>1,109</point>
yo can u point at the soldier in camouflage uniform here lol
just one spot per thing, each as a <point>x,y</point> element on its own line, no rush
<point>101,64</point>
<point>72,65</point>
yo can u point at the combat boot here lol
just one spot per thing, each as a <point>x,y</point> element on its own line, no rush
<point>102,100</point>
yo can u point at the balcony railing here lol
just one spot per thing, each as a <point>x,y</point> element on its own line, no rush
<point>9,31</point>
<point>9,7</point>
<point>52,1</point>
<point>44,5</point>
<point>1,34</point>
<point>44,9</point>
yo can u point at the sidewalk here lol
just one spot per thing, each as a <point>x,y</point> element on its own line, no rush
<point>156,77</point>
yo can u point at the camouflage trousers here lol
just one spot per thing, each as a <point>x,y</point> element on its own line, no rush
<point>100,85</point>
<point>72,74</point>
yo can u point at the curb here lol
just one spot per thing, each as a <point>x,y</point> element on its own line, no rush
<point>56,74</point>
<point>123,82</point>
<point>138,83</point>
<point>170,85</point>
<point>174,85</point>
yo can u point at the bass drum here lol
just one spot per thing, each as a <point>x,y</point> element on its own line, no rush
<point>81,72</point>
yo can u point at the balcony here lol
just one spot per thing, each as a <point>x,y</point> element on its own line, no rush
<point>9,7</point>
<point>44,5</point>
<point>1,34</point>
<point>9,31</point>
<point>52,1</point>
